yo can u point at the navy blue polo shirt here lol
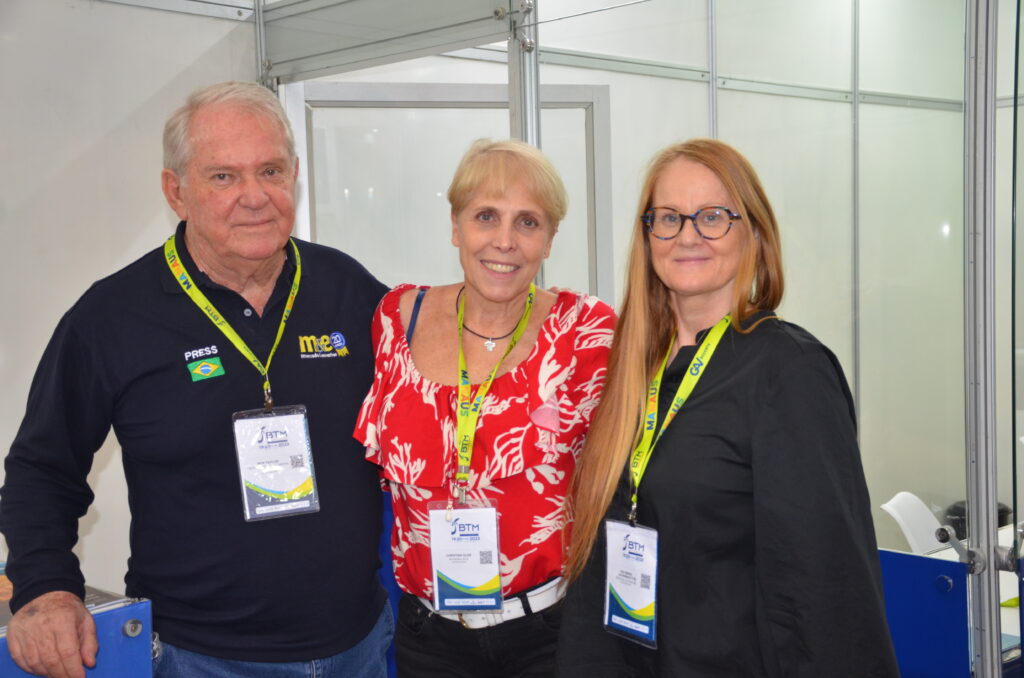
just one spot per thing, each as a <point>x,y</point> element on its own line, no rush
<point>126,355</point>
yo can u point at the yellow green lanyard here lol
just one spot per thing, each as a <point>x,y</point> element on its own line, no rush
<point>470,404</point>
<point>207,307</point>
<point>642,454</point>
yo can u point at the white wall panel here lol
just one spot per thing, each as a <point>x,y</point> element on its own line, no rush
<point>913,47</point>
<point>667,31</point>
<point>802,149</point>
<point>1005,44</point>
<point>797,42</point>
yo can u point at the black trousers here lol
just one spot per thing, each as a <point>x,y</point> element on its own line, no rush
<point>427,645</point>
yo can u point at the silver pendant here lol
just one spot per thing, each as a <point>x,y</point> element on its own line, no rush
<point>489,344</point>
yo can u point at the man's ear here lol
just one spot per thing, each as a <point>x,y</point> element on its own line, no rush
<point>171,184</point>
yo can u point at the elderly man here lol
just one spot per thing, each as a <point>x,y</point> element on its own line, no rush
<point>231,363</point>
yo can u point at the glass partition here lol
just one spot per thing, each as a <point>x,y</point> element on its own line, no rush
<point>305,38</point>
<point>773,42</point>
<point>388,207</point>
<point>659,31</point>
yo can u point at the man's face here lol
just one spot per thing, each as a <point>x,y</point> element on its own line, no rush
<point>238,190</point>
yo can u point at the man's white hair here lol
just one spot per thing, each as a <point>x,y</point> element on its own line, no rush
<point>247,95</point>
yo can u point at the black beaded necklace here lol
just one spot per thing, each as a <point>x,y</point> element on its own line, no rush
<point>488,341</point>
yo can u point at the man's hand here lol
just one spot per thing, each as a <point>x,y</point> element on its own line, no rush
<point>54,635</point>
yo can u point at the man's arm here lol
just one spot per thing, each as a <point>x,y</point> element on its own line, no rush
<point>45,493</point>
<point>54,635</point>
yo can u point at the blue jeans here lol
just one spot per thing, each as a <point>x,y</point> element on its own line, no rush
<point>368,659</point>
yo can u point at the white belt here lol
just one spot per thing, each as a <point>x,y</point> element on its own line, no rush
<point>513,607</point>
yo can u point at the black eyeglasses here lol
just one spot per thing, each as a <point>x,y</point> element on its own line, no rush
<point>711,223</point>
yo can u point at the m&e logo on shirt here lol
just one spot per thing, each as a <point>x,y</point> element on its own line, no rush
<point>322,346</point>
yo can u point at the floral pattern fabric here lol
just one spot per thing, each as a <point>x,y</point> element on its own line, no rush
<point>531,428</point>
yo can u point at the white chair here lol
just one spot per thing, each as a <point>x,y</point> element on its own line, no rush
<point>916,520</point>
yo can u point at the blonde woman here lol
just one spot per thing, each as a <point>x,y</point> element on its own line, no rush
<point>722,524</point>
<point>479,505</point>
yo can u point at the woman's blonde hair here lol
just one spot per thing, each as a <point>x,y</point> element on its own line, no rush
<point>646,326</point>
<point>498,165</point>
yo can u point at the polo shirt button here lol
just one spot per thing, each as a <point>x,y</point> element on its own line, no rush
<point>247,312</point>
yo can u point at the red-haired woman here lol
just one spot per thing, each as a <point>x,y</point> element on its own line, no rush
<point>723,526</point>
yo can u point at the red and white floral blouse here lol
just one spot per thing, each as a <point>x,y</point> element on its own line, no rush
<point>531,428</point>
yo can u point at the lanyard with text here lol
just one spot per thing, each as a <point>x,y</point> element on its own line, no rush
<point>207,307</point>
<point>470,404</point>
<point>642,454</point>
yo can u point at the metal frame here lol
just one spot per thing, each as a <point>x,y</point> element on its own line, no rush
<point>262,62</point>
<point>301,98</point>
<point>524,76</point>
<point>600,62</point>
<point>238,10</point>
<point>979,219</point>
<point>293,101</point>
<point>855,101</point>
<point>712,70</point>
<point>573,59</point>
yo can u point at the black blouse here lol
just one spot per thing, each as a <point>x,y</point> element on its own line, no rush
<point>767,564</point>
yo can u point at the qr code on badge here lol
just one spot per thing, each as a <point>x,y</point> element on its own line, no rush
<point>486,557</point>
<point>645,581</point>
<point>297,461</point>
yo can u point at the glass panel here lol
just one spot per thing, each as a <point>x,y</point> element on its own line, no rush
<point>1006,49</point>
<point>310,37</point>
<point>639,130</point>
<point>1005,411</point>
<point>666,31</point>
<point>388,207</point>
<point>912,47</point>
<point>563,138</point>
<point>368,193</point>
<point>785,41</point>
<point>911,308</point>
<point>809,185</point>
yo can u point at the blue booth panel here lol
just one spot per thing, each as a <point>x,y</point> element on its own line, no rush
<point>125,632</point>
<point>926,604</point>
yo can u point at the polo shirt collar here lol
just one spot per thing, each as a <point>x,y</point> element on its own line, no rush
<point>171,285</point>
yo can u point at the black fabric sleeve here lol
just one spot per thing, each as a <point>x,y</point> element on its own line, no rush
<point>817,570</point>
<point>45,490</point>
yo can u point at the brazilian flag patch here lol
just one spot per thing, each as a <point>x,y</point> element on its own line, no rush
<point>205,369</point>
